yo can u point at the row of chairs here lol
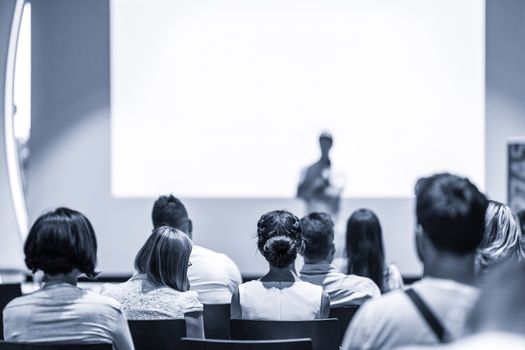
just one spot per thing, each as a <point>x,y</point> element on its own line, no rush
<point>217,320</point>
<point>171,335</point>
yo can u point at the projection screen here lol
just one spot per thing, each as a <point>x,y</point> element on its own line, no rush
<point>226,98</point>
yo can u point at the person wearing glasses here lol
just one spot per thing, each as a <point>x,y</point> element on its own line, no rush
<point>160,288</point>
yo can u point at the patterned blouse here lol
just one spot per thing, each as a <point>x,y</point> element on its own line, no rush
<point>142,300</point>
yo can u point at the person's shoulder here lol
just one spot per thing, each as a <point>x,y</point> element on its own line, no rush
<point>109,289</point>
<point>364,284</point>
<point>24,300</point>
<point>309,287</point>
<point>216,257</point>
<point>390,305</point>
<point>100,300</point>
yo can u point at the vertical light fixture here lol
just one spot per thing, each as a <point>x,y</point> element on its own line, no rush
<point>11,144</point>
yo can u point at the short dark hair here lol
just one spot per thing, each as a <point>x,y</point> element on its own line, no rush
<point>279,237</point>
<point>169,211</point>
<point>164,258</point>
<point>317,231</point>
<point>451,211</point>
<point>59,241</point>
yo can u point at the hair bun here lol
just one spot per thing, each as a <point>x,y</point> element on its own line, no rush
<point>280,251</point>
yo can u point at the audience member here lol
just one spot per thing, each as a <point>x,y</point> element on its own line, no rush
<point>450,215</point>
<point>214,276</point>
<point>318,251</point>
<point>365,253</point>
<point>497,320</point>
<point>502,237</point>
<point>280,294</point>
<point>160,289</point>
<point>63,245</point>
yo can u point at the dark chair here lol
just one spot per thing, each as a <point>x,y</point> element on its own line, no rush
<point>7,293</point>
<point>344,315</point>
<point>157,334</point>
<point>31,346</point>
<point>285,344</point>
<point>217,321</point>
<point>324,333</point>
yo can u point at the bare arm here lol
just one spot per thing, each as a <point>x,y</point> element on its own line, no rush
<point>235,306</point>
<point>194,325</point>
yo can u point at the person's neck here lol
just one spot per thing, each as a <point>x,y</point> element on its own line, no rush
<point>69,278</point>
<point>325,261</point>
<point>452,267</point>
<point>281,274</point>
<point>324,158</point>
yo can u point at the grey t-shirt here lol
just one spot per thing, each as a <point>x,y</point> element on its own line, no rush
<point>63,313</point>
<point>393,321</point>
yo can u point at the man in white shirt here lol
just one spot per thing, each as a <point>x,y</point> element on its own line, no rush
<point>497,320</point>
<point>318,252</point>
<point>214,276</point>
<point>450,224</point>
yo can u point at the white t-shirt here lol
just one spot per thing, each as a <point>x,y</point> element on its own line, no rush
<point>214,276</point>
<point>280,301</point>
<point>393,321</point>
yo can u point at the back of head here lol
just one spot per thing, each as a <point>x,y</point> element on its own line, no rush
<point>164,258</point>
<point>502,237</point>
<point>169,211</point>
<point>60,241</point>
<point>451,212</point>
<point>364,246</point>
<point>317,230</point>
<point>501,306</point>
<point>279,237</point>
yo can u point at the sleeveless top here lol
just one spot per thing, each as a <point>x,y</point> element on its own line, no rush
<point>287,301</point>
<point>141,300</point>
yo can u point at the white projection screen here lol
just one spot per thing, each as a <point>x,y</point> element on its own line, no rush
<point>226,98</point>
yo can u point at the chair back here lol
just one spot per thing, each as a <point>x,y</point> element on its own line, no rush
<point>217,321</point>
<point>33,346</point>
<point>157,334</point>
<point>285,344</point>
<point>7,293</point>
<point>324,333</point>
<point>344,315</point>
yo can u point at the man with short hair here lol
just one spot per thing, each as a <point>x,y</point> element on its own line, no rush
<point>450,215</point>
<point>318,252</point>
<point>214,276</point>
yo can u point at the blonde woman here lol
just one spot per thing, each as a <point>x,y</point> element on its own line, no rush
<point>160,288</point>
<point>502,238</point>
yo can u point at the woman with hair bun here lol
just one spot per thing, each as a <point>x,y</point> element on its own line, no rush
<point>280,294</point>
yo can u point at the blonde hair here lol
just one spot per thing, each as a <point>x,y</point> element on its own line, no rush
<point>502,238</point>
<point>164,258</point>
